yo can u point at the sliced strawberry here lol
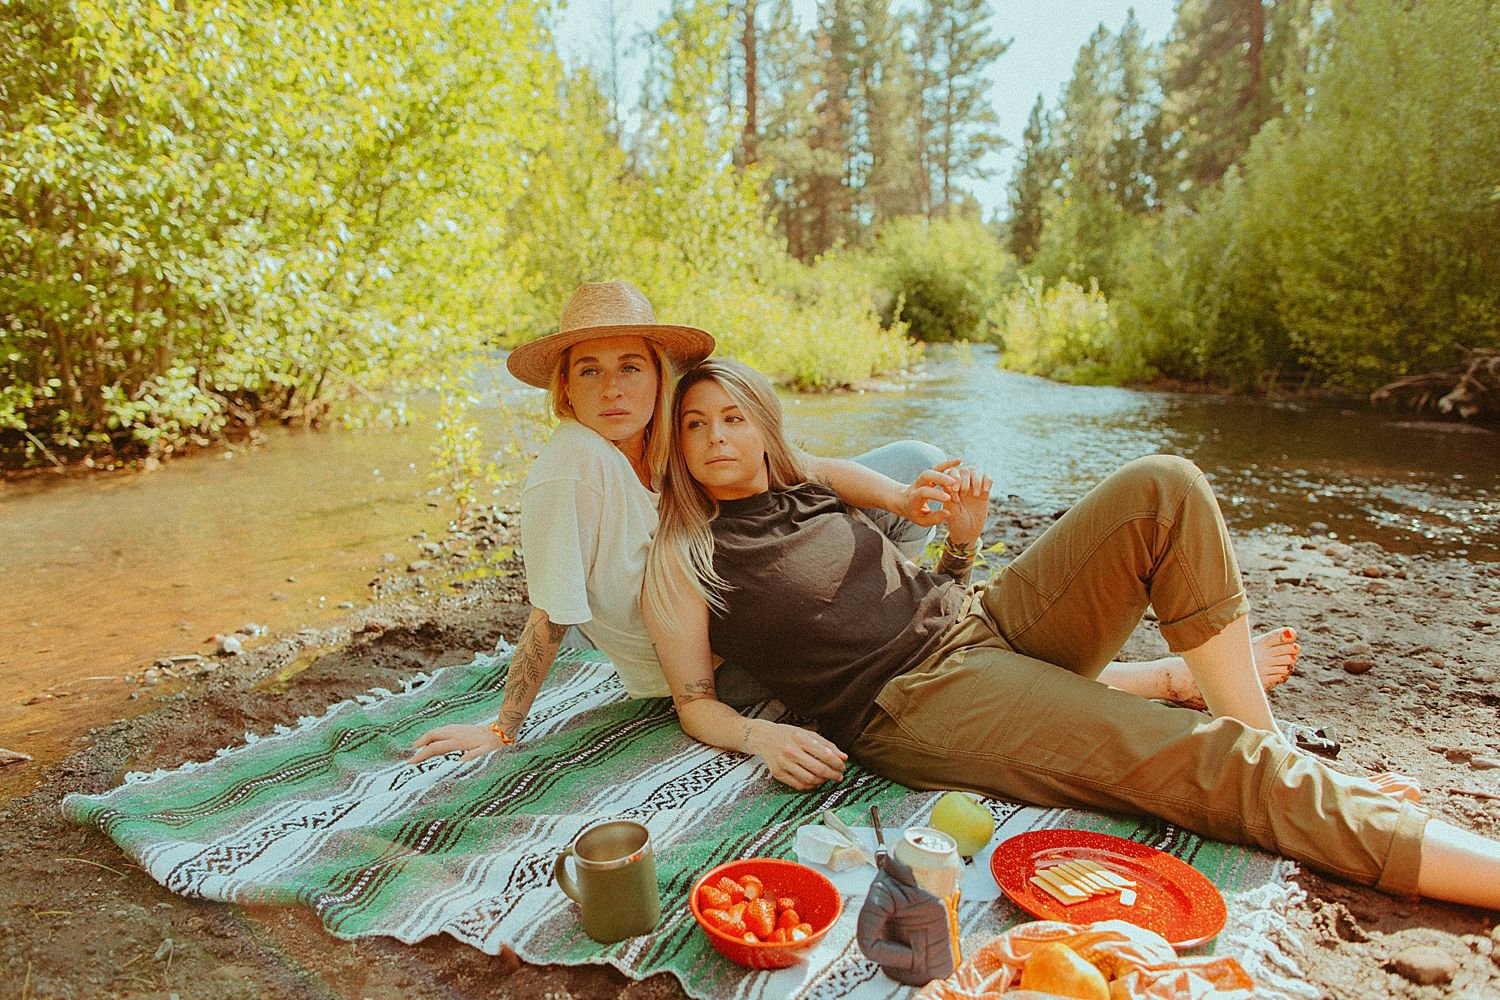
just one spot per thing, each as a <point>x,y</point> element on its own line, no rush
<point>710,896</point>
<point>788,919</point>
<point>760,917</point>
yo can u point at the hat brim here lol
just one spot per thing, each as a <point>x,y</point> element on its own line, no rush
<point>535,362</point>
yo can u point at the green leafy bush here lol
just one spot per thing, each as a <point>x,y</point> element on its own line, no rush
<point>941,277</point>
<point>1065,333</point>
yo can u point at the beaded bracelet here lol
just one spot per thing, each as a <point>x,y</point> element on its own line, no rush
<point>959,551</point>
<point>495,728</point>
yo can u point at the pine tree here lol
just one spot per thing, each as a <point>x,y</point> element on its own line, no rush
<point>1231,66</point>
<point>953,48</point>
<point>1036,171</point>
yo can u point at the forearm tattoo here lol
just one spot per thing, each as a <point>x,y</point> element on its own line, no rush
<point>528,668</point>
<point>696,691</point>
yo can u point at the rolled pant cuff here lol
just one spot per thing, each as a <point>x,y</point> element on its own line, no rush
<point>1201,626</point>
<point>1403,862</point>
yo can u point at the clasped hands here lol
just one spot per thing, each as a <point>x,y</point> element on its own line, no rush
<point>963,495</point>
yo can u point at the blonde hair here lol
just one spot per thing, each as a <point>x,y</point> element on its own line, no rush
<point>658,442</point>
<point>683,550</point>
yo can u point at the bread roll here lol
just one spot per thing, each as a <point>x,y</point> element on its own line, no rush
<point>1058,969</point>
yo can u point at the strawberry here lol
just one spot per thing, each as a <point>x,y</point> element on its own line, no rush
<point>760,917</point>
<point>722,920</point>
<point>802,932</point>
<point>711,896</point>
<point>734,889</point>
<point>754,887</point>
<point>788,919</point>
<point>786,903</point>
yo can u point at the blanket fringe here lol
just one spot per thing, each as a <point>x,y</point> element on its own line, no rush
<point>1257,935</point>
<point>502,651</point>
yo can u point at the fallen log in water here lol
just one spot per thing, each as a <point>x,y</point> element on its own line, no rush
<point>1472,389</point>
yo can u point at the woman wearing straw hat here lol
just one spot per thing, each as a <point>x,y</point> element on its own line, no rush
<point>588,507</point>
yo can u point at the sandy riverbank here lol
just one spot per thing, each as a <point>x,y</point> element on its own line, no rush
<point>1401,656</point>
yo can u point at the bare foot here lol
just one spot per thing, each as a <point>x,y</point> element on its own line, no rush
<point>1398,786</point>
<point>1168,678</point>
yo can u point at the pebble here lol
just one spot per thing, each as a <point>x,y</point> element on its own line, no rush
<point>345,604</point>
<point>419,566</point>
<point>12,757</point>
<point>251,629</point>
<point>1459,755</point>
<point>1485,763</point>
<point>230,646</point>
<point>1358,665</point>
<point>1375,571</point>
<point>277,595</point>
<point>1425,965</point>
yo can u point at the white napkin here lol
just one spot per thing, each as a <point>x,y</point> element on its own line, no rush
<point>974,883</point>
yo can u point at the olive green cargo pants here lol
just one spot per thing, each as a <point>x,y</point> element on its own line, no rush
<point>1008,705</point>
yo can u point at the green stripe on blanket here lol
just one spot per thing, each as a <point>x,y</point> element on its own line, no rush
<point>330,815</point>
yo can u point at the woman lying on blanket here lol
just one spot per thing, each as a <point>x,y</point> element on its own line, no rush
<point>588,507</point>
<point>992,689</point>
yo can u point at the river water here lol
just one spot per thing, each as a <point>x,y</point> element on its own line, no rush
<point>103,575</point>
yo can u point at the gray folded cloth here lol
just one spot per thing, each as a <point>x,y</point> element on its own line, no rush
<point>903,928</point>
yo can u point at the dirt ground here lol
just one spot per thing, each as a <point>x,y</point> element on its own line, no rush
<point>1401,655</point>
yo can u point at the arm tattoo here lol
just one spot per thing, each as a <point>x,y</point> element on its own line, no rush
<point>695,691</point>
<point>531,662</point>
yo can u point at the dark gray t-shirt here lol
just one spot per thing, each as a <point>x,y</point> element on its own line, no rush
<point>824,609</point>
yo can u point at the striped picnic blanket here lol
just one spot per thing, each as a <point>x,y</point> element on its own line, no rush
<point>329,815</point>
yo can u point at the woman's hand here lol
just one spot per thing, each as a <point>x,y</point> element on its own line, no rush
<point>934,485</point>
<point>970,506</point>
<point>474,741</point>
<point>795,756</point>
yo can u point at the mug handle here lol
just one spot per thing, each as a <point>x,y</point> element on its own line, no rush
<point>563,879</point>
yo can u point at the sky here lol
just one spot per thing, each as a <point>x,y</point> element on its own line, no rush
<point>1045,38</point>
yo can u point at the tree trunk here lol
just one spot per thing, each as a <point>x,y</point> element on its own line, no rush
<point>752,84</point>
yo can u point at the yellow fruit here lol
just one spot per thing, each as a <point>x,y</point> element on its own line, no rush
<point>965,820</point>
<point>1058,969</point>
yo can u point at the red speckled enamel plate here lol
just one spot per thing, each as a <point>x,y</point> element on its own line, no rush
<point>1173,898</point>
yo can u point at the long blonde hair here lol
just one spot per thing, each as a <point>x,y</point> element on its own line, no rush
<point>684,546</point>
<point>657,441</point>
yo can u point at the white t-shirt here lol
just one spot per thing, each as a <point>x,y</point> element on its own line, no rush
<point>586,528</point>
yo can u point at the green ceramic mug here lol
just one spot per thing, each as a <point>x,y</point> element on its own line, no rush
<point>615,883</point>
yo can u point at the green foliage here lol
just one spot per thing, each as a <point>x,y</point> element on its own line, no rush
<point>1321,210</point>
<point>1064,332</point>
<point>222,211</point>
<point>215,211</point>
<point>941,277</point>
<point>1198,298</point>
<point>1379,220</point>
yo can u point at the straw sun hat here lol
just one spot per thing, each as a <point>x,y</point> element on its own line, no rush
<point>606,309</point>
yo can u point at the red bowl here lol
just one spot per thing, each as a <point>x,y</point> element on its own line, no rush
<point>818,903</point>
